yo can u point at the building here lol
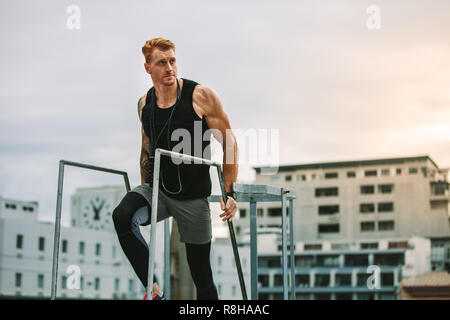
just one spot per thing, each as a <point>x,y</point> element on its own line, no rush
<point>349,215</point>
<point>428,286</point>
<point>340,270</point>
<point>90,254</point>
<point>224,269</point>
<point>367,199</point>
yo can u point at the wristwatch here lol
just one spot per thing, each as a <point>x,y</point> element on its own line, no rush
<point>232,194</point>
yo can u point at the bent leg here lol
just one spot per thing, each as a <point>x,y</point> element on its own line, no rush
<point>127,216</point>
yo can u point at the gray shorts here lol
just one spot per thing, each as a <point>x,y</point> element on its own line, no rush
<point>193,216</point>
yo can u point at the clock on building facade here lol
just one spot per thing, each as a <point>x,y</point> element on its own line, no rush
<point>96,213</point>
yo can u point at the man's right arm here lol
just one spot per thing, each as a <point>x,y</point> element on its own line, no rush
<point>145,149</point>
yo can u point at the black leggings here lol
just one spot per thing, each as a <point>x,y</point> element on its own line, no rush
<point>136,249</point>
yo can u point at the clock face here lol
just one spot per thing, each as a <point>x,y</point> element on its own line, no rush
<point>96,214</point>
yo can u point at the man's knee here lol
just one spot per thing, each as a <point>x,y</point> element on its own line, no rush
<point>121,219</point>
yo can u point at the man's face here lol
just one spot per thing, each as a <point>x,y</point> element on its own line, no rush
<point>162,67</point>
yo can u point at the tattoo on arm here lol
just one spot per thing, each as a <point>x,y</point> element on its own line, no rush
<point>145,159</point>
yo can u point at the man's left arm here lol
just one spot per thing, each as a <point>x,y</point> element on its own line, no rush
<point>216,118</point>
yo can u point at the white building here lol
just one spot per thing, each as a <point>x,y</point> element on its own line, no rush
<point>368,199</point>
<point>224,269</point>
<point>89,245</point>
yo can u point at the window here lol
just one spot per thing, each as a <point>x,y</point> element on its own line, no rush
<point>81,248</point>
<point>25,208</point>
<point>370,173</point>
<point>219,261</point>
<point>312,247</point>
<point>389,259</point>
<point>130,285</point>
<point>19,241</point>
<point>322,280</point>
<point>356,260</point>
<point>41,245</point>
<point>40,281</point>
<point>385,172</point>
<point>326,210</point>
<point>438,187</point>
<point>398,171</point>
<point>97,283</point>
<point>304,261</point>
<point>288,178</point>
<point>367,189</point>
<point>98,249</point>
<point>413,170</point>
<point>331,175</point>
<point>369,245</point>
<point>260,212</point>
<point>366,208</point>
<point>424,171</point>
<point>116,284</point>
<point>64,246</point>
<point>326,192</point>
<point>398,244</point>
<point>82,283</point>
<point>313,176</point>
<point>63,282</point>
<point>361,279</point>
<point>367,226</point>
<point>263,280</point>
<point>385,225</point>
<point>385,207</point>
<point>10,206</point>
<point>269,262</point>
<point>302,280</point>
<point>301,177</point>
<point>328,228</point>
<point>385,188</point>
<point>387,279</point>
<point>274,212</point>
<point>328,261</point>
<point>340,246</point>
<point>18,280</point>
<point>242,213</point>
<point>342,280</point>
<point>351,174</point>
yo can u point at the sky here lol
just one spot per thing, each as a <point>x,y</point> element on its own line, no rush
<point>314,72</point>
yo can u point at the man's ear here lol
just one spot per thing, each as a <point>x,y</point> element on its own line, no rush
<point>147,67</point>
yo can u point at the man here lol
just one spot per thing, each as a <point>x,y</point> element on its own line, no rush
<point>177,104</point>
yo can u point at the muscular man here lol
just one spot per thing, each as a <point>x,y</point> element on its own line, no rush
<point>177,104</point>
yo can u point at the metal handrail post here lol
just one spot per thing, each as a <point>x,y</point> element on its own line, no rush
<point>291,236</point>
<point>153,228</point>
<point>283,244</point>
<point>253,250</point>
<point>59,195</point>
<point>57,229</point>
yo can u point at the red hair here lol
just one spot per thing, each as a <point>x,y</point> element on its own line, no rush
<point>160,43</point>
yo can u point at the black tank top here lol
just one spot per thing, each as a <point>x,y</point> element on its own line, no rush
<point>194,139</point>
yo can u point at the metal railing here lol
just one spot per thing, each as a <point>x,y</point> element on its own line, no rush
<point>245,193</point>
